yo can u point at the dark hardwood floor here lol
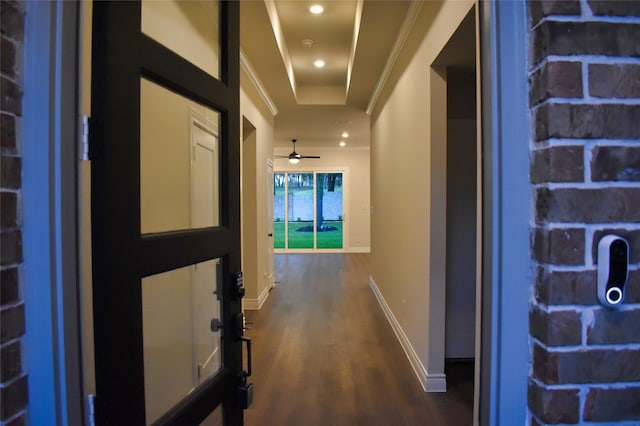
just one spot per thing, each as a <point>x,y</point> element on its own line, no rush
<point>324,354</point>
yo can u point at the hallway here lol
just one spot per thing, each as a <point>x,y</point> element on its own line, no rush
<point>324,354</point>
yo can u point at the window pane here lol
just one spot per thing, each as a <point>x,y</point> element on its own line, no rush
<point>278,210</point>
<point>300,210</point>
<point>179,166</point>
<point>189,28</point>
<point>329,210</point>
<point>181,351</point>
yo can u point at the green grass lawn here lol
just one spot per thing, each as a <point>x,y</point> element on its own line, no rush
<point>304,240</point>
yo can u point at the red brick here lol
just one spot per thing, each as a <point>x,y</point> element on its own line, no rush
<point>556,328</point>
<point>9,286</point>
<point>586,366</point>
<point>11,243</point>
<point>612,404</point>
<point>614,81</point>
<point>559,246</point>
<point>608,205</point>
<point>12,324</point>
<point>557,79</point>
<point>586,121</point>
<point>558,164</point>
<point>8,209</point>
<point>544,365</point>
<point>8,53</point>
<point>14,398</point>
<point>584,38</point>
<point>539,9</point>
<point>11,173</point>
<point>633,290</point>
<point>8,133</point>
<point>566,287</point>
<point>615,163</point>
<point>12,20</point>
<point>615,7</point>
<point>614,327</point>
<point>10,96</point>
<point>10,361</point>
<point>554,406</point>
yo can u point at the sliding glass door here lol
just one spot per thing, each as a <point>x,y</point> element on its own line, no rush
<point>308,210</point>
<point>300,211</point>
<point>329,211</point>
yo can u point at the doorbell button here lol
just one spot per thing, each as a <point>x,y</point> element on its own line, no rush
<point>613,270</point>
<point>614,295</point>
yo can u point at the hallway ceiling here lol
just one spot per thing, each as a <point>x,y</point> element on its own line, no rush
<point>355,38</point>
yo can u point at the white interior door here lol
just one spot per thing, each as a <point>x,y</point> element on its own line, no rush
<point>204,200</point>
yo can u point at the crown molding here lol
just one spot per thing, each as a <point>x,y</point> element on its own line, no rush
<point>253,76</point>
<point>407,24</point>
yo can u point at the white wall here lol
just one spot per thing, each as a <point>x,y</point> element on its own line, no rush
<point>256,243</point>
<point>408,193</point>
<point>356,161</point>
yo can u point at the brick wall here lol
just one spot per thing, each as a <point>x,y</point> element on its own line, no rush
<point>13,380</point>
<point>584,75</point>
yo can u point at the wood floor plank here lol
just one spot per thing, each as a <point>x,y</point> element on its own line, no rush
<point>324,354</point>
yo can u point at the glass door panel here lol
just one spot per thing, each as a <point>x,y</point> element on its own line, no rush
<point>179,166</point>
<point>329,212</point>
<point>188,28</point>
<point>181,350</point>
<point>279,216</point>
<point>300,211</point>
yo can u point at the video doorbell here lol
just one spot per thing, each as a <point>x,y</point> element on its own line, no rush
<point>613,270</point>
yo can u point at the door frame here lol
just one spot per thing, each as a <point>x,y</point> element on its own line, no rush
<point>54,386</point>
<point>506,271</point>
<point>50,218</point>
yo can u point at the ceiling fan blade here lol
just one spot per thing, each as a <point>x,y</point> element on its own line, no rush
<point>309,156</point>
<point>280,156</point>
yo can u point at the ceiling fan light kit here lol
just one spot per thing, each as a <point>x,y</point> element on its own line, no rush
<point>294,157</point>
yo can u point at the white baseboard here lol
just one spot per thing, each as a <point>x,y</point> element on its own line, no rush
<point>256,304</point>
<point>358,250</point>
<point>316,251</point>
<point>429,382</point>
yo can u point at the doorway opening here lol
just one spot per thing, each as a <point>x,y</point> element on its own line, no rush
<point>455,200</point>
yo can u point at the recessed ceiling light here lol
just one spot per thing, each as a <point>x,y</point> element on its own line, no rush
<point>319,63</point>
<point>316,9</point>
<point>343,143</point>
<point>345,134</point>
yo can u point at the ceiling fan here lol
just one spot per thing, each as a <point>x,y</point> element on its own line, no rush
<point>294,157</point>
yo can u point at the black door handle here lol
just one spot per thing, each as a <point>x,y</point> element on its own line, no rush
<point>249,369</point>
<point>270,234</point>
<point>245,393</point>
